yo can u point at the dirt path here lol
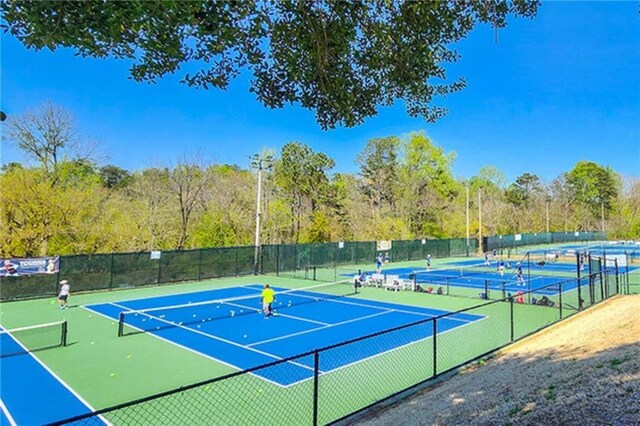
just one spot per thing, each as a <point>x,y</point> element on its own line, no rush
<point>583,371</point>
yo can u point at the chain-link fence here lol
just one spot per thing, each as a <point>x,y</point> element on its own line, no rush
<point>125,270</point>
<point>511,242</point>
<point>335,383</point>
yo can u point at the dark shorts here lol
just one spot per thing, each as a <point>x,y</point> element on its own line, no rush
<point>63,297</point>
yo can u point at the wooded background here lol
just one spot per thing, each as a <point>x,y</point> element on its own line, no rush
<point>63,200</point>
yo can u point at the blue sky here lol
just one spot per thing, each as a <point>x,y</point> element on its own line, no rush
<point>554,90</point>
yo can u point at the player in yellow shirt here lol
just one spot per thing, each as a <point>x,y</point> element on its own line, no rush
<point>268,296</point>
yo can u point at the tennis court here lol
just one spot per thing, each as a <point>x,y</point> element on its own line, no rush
<point>227,325</point>
<point>482,277</point>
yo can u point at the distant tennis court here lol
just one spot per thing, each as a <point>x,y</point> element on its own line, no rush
<point>226,325</point>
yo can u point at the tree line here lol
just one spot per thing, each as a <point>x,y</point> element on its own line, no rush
<point>64,201</point>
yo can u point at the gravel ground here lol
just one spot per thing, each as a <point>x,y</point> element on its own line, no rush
<point>582,371</point>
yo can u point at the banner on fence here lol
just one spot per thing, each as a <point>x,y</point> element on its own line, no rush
<point>29,266</point>
<point>384,245</point>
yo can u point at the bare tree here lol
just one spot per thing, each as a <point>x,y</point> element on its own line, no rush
<point>188,181</point>
<point>48,135</point>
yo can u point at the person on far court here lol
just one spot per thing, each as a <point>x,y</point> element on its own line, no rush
<point>428,262</point>
<point>63,296</point>
<point>379,263</point>
<point>501,267</point>
<point>486,258</point>
<point>519,274</point>
<point>268,296</point>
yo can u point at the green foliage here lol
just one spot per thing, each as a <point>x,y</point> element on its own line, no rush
<point>378,163</point>
<point>405,190</point>
<point>340,59</point>
<point>114,177</point>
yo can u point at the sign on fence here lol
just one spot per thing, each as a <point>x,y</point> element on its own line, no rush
<point>155,255</point>
<point>384,245</point>
<point>29,266</point>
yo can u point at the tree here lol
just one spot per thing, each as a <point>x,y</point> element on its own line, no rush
<point>378,163</point>
<point>187,182</point>
<point>594,188</point>
<point>427,185</point>
<point>114,177</point>
<point>43,134</point>
<point>301,173</point>
<point>341,59</point>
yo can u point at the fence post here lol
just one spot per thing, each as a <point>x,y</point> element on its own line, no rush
<point>579,281</point>
<point>199,264</point>
<point>255,267</point>
<point>159,270</point>
<point>435,348</point>
<point>316,369</point>
<point>511,315</point>
<point>111,273</point>
<point>560,299</point>
<point>278,260</point>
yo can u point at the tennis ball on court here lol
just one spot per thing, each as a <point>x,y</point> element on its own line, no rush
<point>52,302</point>
<point>206,388</point>
<point>259,390</point>
<point>112,374</point>
<point>93,343</point>
<point>128,356</point>
<point>198,327</point>
<point>194,315</point>
<point>245,336</point>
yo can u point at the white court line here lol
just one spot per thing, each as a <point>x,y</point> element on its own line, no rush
<point>247,286</point>
<point>55,376</point>
<point>186,348</point>
<point>321,328</point>
<point>212,336</point>
<point>402,311</point>
<point>6,412</point>
<point>387,351</point>
<point>279,314</point>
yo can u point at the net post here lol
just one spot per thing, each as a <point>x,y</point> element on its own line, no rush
<point>121,324</point>
<point>447,281</point>
<point>313,270</point>
<point>65,330</point>
<point>504,289</point>
<point>486,288</point>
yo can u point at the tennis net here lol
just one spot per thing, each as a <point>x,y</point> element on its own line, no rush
<point>196,315</point>
<point>442,274</point>
<point>32,338</point>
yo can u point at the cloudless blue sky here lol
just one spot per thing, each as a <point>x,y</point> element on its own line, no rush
<point>554,90</point>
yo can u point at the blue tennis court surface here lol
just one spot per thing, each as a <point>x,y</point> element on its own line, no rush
<point>479,279</point>
<point>30,393</point>
<point>234,332</point>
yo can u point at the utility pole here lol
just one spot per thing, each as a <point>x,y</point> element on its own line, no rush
<point>602,215</point>
<point>467,187</point>
<point>547,200</point>
<point>260,163</point>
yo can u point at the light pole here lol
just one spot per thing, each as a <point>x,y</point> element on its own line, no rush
<point>467,187</point>
<point>260,163</point>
